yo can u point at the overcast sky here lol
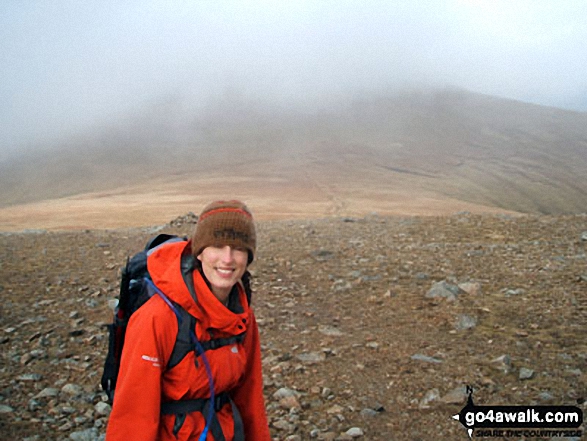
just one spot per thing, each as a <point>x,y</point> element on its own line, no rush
<point>66,65</point>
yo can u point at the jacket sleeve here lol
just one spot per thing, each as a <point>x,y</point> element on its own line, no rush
<point>136,408</point>
<point>248,395</point>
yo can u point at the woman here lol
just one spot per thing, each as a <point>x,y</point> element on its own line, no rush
<point>215,392</point>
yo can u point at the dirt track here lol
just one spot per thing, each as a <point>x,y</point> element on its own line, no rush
<point>345,321</point>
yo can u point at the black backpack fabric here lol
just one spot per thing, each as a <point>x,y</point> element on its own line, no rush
<point>134,292</point>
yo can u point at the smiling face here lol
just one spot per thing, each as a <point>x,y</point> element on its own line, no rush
<point>223,267</point>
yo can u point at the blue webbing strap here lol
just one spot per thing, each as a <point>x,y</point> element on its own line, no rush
<point>199,350</point>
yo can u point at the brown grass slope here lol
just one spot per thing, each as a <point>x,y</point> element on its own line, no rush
<point>361,155</point>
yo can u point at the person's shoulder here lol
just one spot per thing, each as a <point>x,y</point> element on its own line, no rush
<point>155,309</point>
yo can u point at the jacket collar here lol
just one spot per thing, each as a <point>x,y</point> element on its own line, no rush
<point>165,269</point>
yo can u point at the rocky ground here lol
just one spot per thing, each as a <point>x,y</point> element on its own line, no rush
<point>371,327</point>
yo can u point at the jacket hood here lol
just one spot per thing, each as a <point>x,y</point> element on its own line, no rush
<point>164,265</point>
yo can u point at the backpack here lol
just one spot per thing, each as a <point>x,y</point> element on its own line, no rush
<point>136,288</point>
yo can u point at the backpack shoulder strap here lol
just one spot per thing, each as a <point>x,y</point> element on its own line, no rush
<point>188,264</point>
<point>183,343</point>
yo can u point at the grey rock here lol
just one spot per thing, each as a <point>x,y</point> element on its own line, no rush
<point>430,396</point>
<point>514,292</point>
<point>369,413</point>
<point>282,424</point>
<point>311,357</point>
<point>471,288</point>
<point>322,255</point>
<point>33,405</point>
<point>426,358</point>
<point>72,389</point>
<point>285,392</point>
<point>86,435</point>
<point>502,363</point>
<point>67,410</point>
<point>5,409</point>
<point>455,396</point>
<point>526,374</point>
<point>465,321</point>
<point>422,276</point>
<point>330,331</point>
<point>445,290</point>
<point>30,378</point>
<point>102,409</point>
<point>48,392</point>
<point>355,432</point>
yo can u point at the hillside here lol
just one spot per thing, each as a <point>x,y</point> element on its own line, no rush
<point>352,339</point>
<point>434,152</point>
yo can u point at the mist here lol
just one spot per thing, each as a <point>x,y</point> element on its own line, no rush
<point>70,68</point>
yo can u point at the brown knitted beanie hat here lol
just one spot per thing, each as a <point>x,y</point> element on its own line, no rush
<point>224,223</point>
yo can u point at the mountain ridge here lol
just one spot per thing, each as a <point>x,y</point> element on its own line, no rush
<point>447,145</point>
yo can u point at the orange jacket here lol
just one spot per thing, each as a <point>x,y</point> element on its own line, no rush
<point>144,383</point>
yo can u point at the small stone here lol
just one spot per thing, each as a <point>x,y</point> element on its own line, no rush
<point>455,396</point>
<point>355,432</point>
<point>284,392</point>
<point>334,410</point>
<point>281,425</point>
<point>65,427</point>
<point>471,288</point>
<point>72,389</point>
<point>369,413</point>
<point>545,396</point>
<point>48,392</point>
<point>85,435</point>
<point>33,405</point>
<point>431,395</point>
<point>102,409</point>
<point>80,420</point>
<point>444,290</point>
<point>290,403</point>
<point>514,292</point>
<point>33,378</point>
<point>5,409</point>
<point>502,363</point>
<point>526,374</point>
<point>330,331</point>
<point>311,357</point>
<point>26,359</point>
<point>465,321</point>
<point>67,410</point>
<point>427,359</point>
